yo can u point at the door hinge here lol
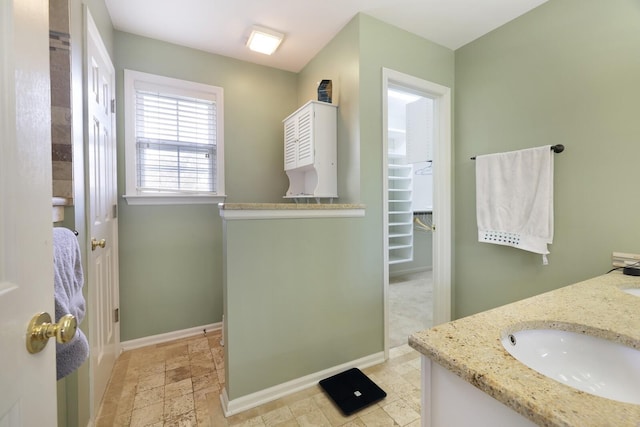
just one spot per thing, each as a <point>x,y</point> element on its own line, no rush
<point>113,106</point>
<point>115,211</point>
<point>116,315</point>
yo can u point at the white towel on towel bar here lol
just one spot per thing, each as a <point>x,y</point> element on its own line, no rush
<point>514,199</point>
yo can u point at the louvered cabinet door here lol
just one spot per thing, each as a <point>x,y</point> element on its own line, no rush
<point>305,137</point>
<point>290,144</point>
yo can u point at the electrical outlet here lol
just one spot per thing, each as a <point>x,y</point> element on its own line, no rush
<point>622,259</point>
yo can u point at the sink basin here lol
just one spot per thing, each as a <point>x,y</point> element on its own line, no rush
<point>594,365</point>
<point>632,291</point>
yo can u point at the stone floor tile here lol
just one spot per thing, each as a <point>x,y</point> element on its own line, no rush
<point>179,388</point>
<point>401,412</point>
<point>178,384</point>
<point>148,415</point>
<point>148,397</point>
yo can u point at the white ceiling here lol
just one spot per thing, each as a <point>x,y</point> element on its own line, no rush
<point>222,26</point>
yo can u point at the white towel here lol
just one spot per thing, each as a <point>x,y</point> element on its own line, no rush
<point>514,199</point>
<point>68,281</point>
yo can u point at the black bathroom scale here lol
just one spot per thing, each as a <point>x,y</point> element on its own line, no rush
<point>352,390</point>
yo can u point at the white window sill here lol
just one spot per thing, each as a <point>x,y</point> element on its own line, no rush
<point>173,199</point>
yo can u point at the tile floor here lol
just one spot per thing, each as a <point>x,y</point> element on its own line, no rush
<point>179,384</point>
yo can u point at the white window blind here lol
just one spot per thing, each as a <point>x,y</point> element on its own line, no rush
<point>175,143</point>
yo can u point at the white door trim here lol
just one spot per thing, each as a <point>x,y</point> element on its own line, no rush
<point>442,194</point>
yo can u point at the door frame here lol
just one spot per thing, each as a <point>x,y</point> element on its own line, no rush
<point>442,193</point>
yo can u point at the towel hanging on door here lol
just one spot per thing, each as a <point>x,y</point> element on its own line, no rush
<point>68,280</point>
<point>514,199</point>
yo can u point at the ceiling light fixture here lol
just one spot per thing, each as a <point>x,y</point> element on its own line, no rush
<point>264,40</point>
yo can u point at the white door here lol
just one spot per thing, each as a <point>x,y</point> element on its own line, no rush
<point>102,264</point>
<point>27,382</point>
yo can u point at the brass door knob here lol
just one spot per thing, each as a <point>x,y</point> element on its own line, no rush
<point>41,329</point>
<point>95,243</point>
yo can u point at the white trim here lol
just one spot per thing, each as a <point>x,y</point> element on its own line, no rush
<point>385,210</point>
<point>169,336</point>
<point>426,394</point>
<point>172,199</point>
<point>442,211</point>
<point>133,79</point>
<point>235,406</point>
<point>443,208</point>
<point>232,214</point>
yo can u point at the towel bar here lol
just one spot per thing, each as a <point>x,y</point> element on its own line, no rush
<point>555,148</point>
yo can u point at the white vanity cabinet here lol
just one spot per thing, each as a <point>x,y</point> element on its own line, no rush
<point>310,151</point>
<point>449,401</point>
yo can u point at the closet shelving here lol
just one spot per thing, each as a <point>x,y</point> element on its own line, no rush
<point>400,183</point>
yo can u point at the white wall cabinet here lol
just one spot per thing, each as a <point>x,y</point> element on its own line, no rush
<point>310,151</point>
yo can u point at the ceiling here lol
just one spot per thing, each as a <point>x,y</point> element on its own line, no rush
<point>222,26</point>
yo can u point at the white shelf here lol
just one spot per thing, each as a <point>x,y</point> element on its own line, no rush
<point>395,247</point>
<point>396,259</point>
<point>400,189</point>
<point>398,235</point>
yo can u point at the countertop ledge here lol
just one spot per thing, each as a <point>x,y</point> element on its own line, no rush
<point>248,211</point>
<point>289,206</point>
<point>471,348</point>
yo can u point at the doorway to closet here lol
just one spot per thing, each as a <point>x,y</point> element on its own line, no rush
<point>416,202</point>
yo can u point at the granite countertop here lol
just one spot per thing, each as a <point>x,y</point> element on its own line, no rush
<point>471,348</point>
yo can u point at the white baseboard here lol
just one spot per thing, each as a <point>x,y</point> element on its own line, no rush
<point>169,336</point>
<point>235,406</point>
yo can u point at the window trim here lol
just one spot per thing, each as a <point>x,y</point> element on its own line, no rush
<point>133,79</point>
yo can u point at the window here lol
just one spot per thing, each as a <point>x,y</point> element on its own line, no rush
<point>173,140</point>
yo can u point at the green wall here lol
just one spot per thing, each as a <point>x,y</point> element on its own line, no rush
<point>301,298</point>
<point>171,256</point>
<point>565,73</point>
<point>313,297</point>
<point>338,61</point>
<point>385,46</point>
